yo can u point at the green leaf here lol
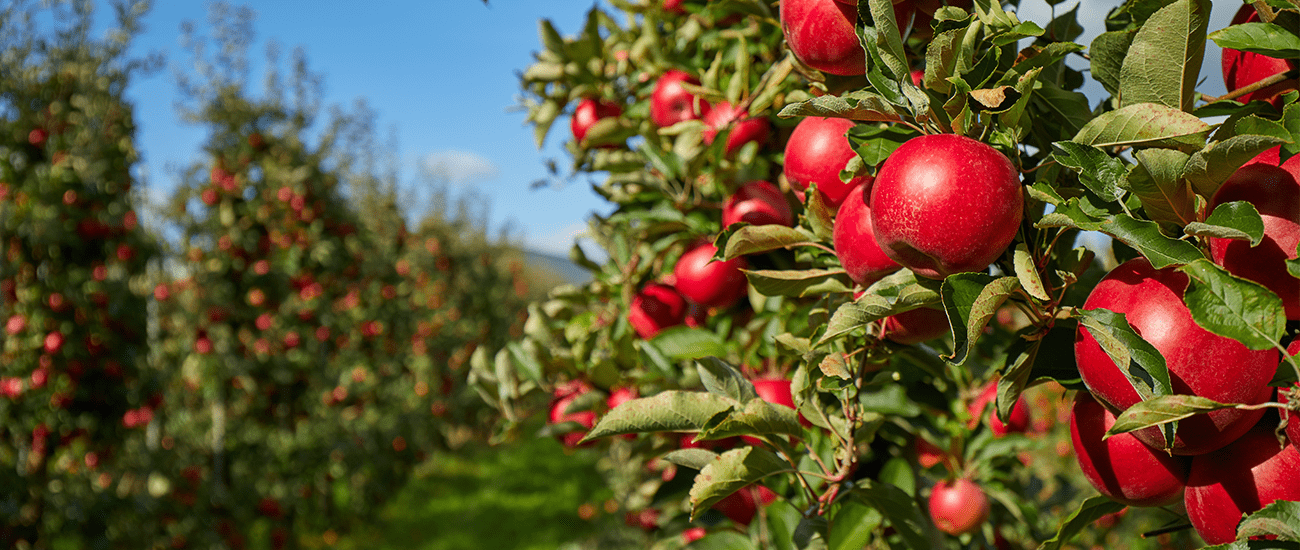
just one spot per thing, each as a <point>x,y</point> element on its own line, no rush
<point>754,239</point>
<point>971,300</point>
<point>723,540</point>
<point>1141,362</point>
<point>890,400</point>
<point>1164,60</point>
<point>1090,511</point>
<point>683,342</point>
<point>731,471</point>
<point>874,144</point>
<point>820,215</point>
<point>757,417</point>
<point>1281,518</point>
<point>669,411</point>
<point>1145,237</point>
<point>1020,365</point>
<point>720,378</point>
<point>798,283</point>
<point>1099,172</point>
<point>1162,410</point>
<point>1210,167</point>
<point>942,59</point>
<point>852,525</point>
<point>866,309</point>
<point>782,520</point>
<point>1231,220</point>
<point>1027,272</point>
<point>901,511</point>
<point>695,459</point>
<point>1145,124</point>
<point>1107,57</point>
<point>1157,182</point>
<point>1261,38</point>
<point>550,38</point>
<point>858,105</point>
<point>1233,307</point>
<point>885,36</point>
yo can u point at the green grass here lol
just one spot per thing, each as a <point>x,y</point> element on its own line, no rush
<point>520,496</point>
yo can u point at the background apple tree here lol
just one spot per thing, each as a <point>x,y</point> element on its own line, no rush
<point>928,404</point>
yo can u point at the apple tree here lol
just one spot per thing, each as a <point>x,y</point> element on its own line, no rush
<point>926,243</point>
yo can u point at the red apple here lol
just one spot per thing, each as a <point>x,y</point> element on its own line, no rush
<point>588,112</point>
<point>655,308</point>
<point>670,103</point>
<point>821,34</point>
<point>1200,362</point>
<point>1248,474</point>
<point>915,326</point>
<point>741,505</point>
<point>757,203</point>
<point>817,151</point>
<point>855,242</point>
<point>693,534</point>
<point>16,324</point>
<point>1293,425</point>
<point>985,406</point>
<point>1241,69</point>
<point>1123,468</point>
<point>958,507</point>
<point>565,395</point>
<point>708,282</point>
<point>53,342</point>
<point>1273,156</point>
<point>928,454</point>
<point>945,204</point>
<point>1275,193</point>
<point>744,128</point>
<point>777,391</point>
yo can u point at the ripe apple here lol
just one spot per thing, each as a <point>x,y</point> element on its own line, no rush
<point>1241,69</point>
<point>16,324</point>
<point>655,308</point>
<point>821,34</point>
<point>958,507</point>
<point>777,391</point>
<point>707,282</point>
<point>744,128</point>
<point>855,242</point>
<point>945,204</point>
<point>915,326</point>
<point>1200,362</point>
<point>817,151</point>
<point>757,203</point>
<point>1275,193</point>
<point>741,505</point>
<point>928,454</point>
<point>1293,425</point>
<point>1273,156</point>
<point>693,534</point>
<point>588,112</point>
<point>670,103</point>
<point>1123,468</point>
<point>565,395</point>
<point>985,406</point>
<point>1248,474</point>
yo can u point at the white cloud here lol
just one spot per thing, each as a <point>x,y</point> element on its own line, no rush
<point>460,166</point>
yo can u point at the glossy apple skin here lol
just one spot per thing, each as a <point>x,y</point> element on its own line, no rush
<point>945,204</point>
<point>1247,475</point>
<point>915,326</point>
<point>757,203</point>
<point>744,128</point>
<point>655,308</point>
<point>985,407</point>
<point>855,242</point>
<point>817,152</point>
<point>1200,362</point>
<point>710,283</point>
<point>820,33</point>
<point>958,507</point>
<point>670,103</point>
<point>1123,468</point>
<point>1241,69</point>
<point>588,112</point>
<point>563,396</point>
<point>1293,426</point>
<point>1275,193</point>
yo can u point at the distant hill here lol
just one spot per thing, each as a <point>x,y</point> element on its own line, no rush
<point>560,266</point>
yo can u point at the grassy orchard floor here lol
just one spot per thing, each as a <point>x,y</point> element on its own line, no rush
<point>524,495</point>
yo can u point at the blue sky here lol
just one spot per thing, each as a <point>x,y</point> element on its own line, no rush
<point>442,73</point>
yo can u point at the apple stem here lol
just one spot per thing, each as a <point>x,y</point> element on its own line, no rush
<point>1166,530</point>
<point>1266,82</point>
